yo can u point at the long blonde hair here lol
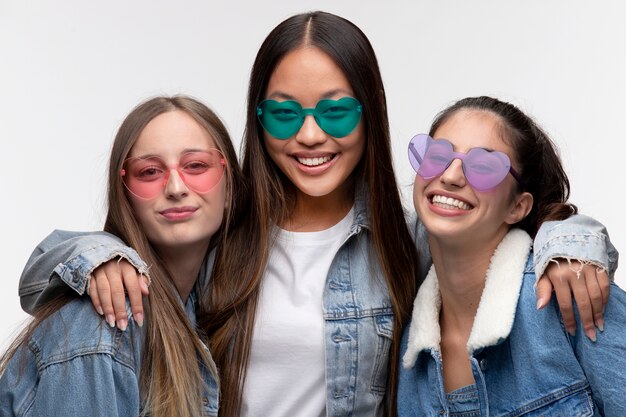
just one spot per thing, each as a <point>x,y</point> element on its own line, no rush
<point>171,382</point>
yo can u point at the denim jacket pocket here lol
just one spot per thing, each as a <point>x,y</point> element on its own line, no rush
<point>384,329</point>
<point>563,403</point>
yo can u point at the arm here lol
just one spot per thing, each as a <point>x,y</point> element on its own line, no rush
<point>604,362</point>
<point>579,238</point>
<point>69,259</point>
<point>575,256</point>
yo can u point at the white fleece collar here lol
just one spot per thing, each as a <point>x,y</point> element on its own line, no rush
<point>496,310</point>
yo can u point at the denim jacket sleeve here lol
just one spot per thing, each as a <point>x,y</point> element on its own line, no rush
<point>579,238</point>
<point>66,258</point>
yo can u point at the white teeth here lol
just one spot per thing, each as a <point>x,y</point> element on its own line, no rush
<point>312,162</point>
<point>450,203</point>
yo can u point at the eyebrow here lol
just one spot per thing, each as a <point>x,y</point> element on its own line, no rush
<point>326,95</point>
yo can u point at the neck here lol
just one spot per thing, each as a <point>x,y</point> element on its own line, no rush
<point>312,214</point>
<point>184,264</point>
<point>461,276</point>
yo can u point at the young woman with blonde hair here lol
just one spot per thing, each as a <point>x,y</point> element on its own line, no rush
<point>172,192</point>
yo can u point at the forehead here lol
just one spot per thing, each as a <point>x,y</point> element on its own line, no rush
<point>307,74</point>
<point>468,129</point>
<point>170,134</point>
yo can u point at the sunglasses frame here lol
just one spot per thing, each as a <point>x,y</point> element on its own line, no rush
<point>414,153</point>
<point>167,174</point>
<point>316,112</point>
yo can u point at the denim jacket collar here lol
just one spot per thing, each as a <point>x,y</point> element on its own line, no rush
<point>496,310</point>
<point>361,208</point>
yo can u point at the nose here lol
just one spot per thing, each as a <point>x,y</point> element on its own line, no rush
<point>175,186</point>
<point>310,134</point>
<point>453,175</point>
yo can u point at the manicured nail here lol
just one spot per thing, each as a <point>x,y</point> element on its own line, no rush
<point>540,303</point>
<point>99,310</point>
<point>122,324</point>
<point>571,331</point>
<point>139,319</point>
<point>110,318</point>
<point>591,334</point>
<point>600,324</point>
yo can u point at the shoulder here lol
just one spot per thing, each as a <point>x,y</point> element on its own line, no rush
<point>76,330</point>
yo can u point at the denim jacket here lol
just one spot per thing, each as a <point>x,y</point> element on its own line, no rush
<point>357,308</point>
<point>75,364</point>
<point>523,361</point>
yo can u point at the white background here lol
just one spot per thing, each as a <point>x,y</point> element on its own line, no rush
<point>71,70</point>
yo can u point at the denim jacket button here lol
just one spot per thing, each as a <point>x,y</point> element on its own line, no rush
<point>76,277</point>
<point>483,364</point>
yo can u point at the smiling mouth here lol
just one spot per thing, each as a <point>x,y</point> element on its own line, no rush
<point>317,161</point>
<point>449,203</point>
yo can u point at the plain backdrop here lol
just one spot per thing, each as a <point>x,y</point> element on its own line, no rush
<point>71,70</point>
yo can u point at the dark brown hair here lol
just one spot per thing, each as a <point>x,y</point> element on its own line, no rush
<point>539,163</point>
<point>236,281</point>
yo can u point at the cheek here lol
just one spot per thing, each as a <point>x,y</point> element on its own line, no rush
<point>140,210</point>
<point>419,189</point>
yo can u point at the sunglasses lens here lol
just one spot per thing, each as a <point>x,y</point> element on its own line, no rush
<point>144,176</point>
<point>281,119</point>
<point>429,157</point>
<point>200,171</point>
<point>338,118</point>
<point>484,169</point>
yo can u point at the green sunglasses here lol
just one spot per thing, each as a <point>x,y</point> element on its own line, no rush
<point>283,119</point>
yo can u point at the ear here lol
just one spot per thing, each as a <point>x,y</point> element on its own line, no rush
<point>522,204</point>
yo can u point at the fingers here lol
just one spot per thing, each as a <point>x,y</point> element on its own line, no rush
<point>108,287</point>
<point>583,302</point>
<point>132,283</point>
<point>103,292</point>
<point>564,297</point>
<point>144,283</point>
<point>590,287</point>
<point>93,294</point>
<point>544,292</point>
<point>598,288</point>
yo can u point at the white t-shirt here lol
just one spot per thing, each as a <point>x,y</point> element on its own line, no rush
<point>286,373</point>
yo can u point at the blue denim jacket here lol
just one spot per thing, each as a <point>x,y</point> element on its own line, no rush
<point>357,308</point>
<point>75,364</point>
<point>524,363</point>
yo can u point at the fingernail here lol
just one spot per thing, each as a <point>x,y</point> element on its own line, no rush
<point>571,331</point>
<point>139,319</point>
<point>122,324</point>
<point>591,334</point>
<point>99,310</point>
<point>600,324</point>
<point>110,318</point>
<point>540,303</point>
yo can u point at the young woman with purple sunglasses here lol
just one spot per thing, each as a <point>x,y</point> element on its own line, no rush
<point>476,345</point>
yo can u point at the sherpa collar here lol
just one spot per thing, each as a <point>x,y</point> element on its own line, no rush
<point>496,310</point>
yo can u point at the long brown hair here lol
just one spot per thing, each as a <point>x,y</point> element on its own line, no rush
<point>236,281</point>
<point>540,166</point>
<point>171,382</point>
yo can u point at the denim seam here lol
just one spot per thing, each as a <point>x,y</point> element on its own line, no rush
<point>549,399</point>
